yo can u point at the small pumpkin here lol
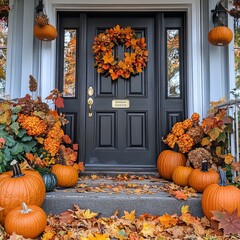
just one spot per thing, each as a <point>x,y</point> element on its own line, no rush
<point>220,196</point>
<point>20,186</point>
<point>28,221</point>
<point>199,179</point>
<point>50,181</point>
<point>181,174</point>
<point>45,33</point>
<point>67,176</point>
<point>167,161</point>
<point>220,36</point>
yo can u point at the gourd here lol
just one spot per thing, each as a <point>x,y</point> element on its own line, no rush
<point>199,179</point>
<point>20,186</point>
<point>181,174</point>
<point>67,176</point>
<point>220,197</point>
<point>167,161</point>
<point>50,181</point>
<point>28,221</point>
<point>220,36</point>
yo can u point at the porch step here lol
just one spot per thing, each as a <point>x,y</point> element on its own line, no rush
<point>123,192</point>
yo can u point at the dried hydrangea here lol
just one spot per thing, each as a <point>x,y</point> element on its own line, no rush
<point>197,156</point>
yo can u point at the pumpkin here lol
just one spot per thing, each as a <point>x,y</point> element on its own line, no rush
<point>45,33</point>
<point>67,176</point>
<point>181,174</point>
<point>50,181</point>
<point>220,36</point>
<point>167,161</point>
<point>20,186</point>
<point>220,197</point>
<point>199,179</point>
<point>28,221</point>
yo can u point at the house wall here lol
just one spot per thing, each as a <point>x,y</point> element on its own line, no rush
<point>208,66</point>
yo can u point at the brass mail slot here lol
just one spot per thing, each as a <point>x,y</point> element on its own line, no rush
<point>120,103</point>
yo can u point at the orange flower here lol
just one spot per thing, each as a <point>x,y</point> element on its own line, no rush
<point>51,145</point>
<point>32,124</point>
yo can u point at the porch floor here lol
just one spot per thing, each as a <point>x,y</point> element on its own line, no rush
<point>119,191</point>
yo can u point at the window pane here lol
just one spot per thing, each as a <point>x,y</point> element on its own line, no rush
<point>3,47</point>
<point>69,84</point>
<point>237,52</point>
<point>173,63</point>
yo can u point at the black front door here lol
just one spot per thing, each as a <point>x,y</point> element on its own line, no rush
<point>121,137</point>
<point>119,124</point>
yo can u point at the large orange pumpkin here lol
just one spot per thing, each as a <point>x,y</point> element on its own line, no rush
<point>167,161</point>
<point>67,176</point>
<point>199,179</point>
<point>220,36</point>
<point>20,186</point>
<point>45,33</point>
<point>220,197</point>
<point>28,221</point>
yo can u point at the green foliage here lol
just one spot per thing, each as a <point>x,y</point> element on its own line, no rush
<point>16,141</point>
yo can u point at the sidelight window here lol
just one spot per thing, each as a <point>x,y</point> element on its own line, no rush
<point>69,79</point>
<point>173,63</point>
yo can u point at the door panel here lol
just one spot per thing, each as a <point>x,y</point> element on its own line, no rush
<point>125,138</point>
<point>121,137</point>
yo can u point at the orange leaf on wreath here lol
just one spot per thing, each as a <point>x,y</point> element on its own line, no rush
<point>114,76</point>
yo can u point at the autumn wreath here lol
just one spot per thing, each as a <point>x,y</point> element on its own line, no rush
<point>133,63</point>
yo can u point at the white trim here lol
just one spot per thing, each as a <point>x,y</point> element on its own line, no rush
<point>20,47</point>
<point>194,61</point>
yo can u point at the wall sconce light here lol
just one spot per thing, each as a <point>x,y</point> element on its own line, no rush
<point>220,35</point>
<point>39,7</point>
<point>219,15</point>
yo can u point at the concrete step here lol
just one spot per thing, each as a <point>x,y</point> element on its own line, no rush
<point>119,191</point>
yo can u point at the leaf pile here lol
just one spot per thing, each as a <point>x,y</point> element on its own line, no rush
<point>86,225</point>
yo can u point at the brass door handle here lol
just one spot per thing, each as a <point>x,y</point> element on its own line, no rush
<point>90,103</point>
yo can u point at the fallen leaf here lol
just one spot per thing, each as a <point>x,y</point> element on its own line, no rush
<point>88,214</point>
<point>180,195</point>
<point>129,216</point>
<point>166,220</point>
<point>229,222</point>
<point>148,229</point>
<point>185,209</point>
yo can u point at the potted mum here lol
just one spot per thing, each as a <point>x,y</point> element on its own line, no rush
<point>205,141</point>
<point>32,133</point>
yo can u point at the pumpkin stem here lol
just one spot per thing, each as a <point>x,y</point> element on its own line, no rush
<point>176,148</point>
<point>16,169</point>
<point>25,209</point>
<point>223,178</point>
<point>204,166</point>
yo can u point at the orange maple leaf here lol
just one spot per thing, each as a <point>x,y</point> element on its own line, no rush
<point>167,220</point>
<point>81,166</point>
<point>66,139</point>
<point>114,76</point>
<point>59,102</point>
<point>180,195</point>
